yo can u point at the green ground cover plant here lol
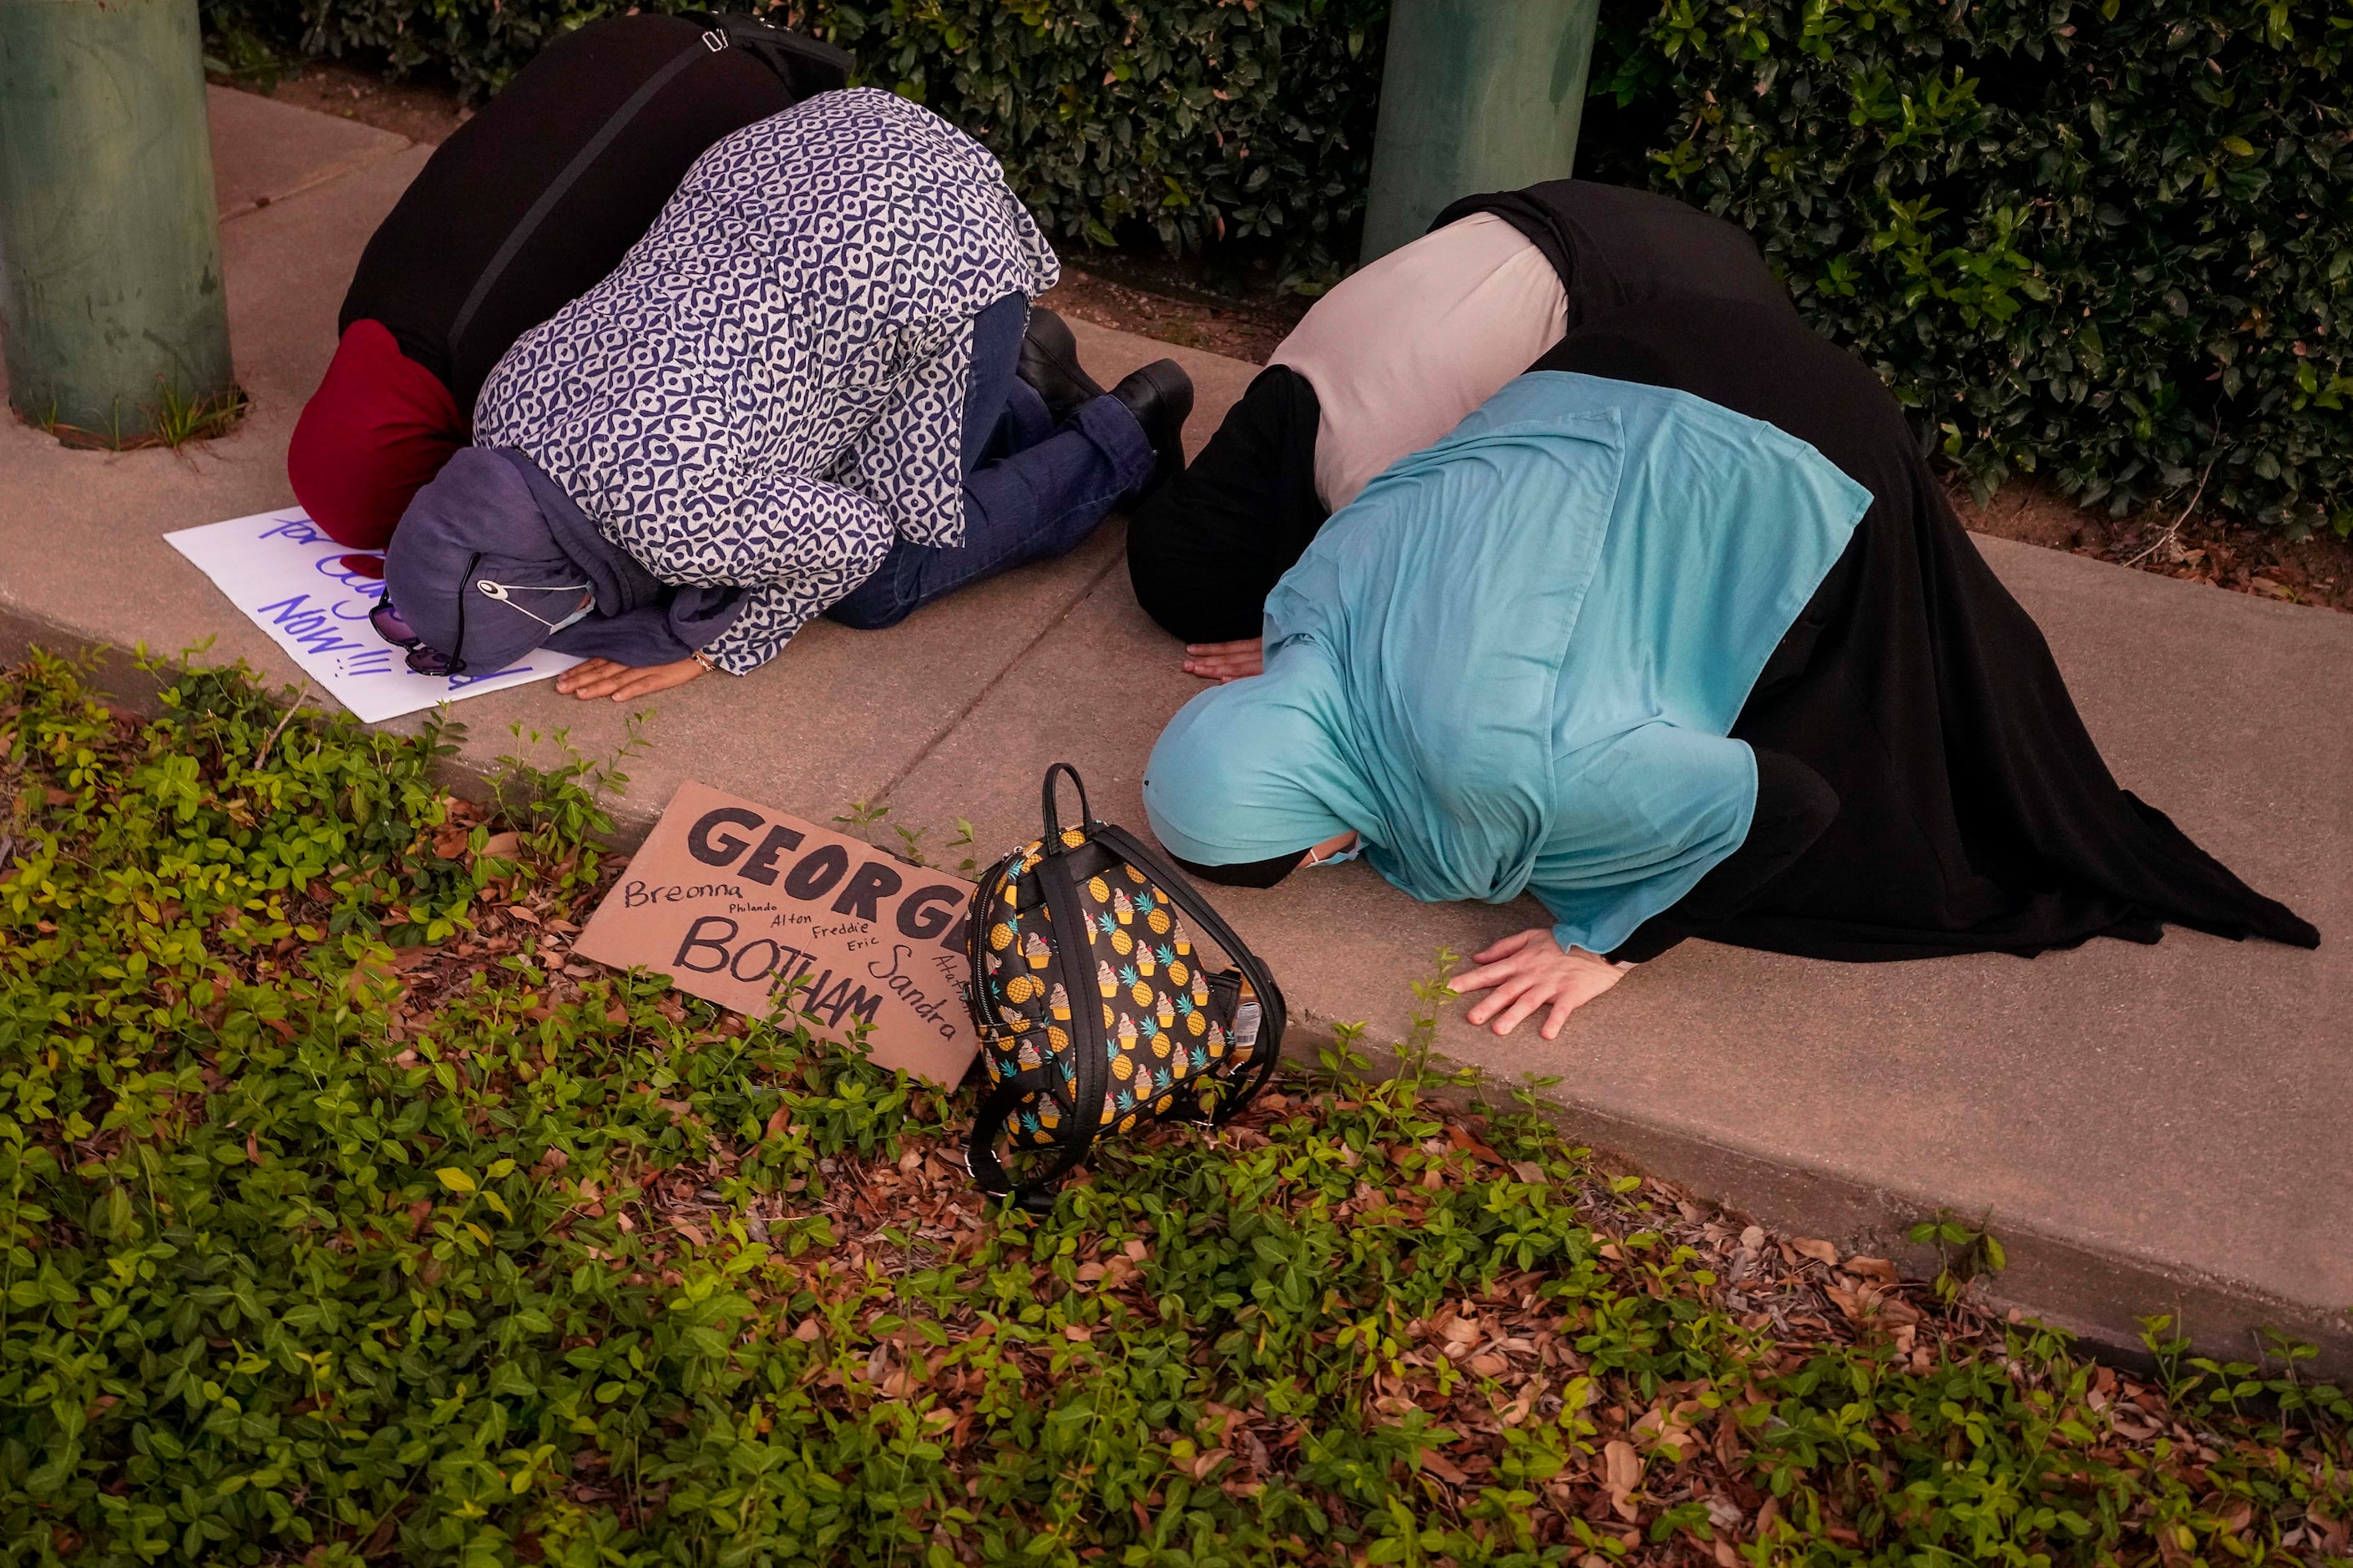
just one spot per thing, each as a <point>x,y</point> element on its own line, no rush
<point>347,1217</point>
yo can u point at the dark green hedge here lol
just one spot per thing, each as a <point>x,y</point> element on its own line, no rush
<point>2109,242</point>
<point>1196,120</point>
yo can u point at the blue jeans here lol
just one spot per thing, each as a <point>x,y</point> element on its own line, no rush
<point>1031,491</point>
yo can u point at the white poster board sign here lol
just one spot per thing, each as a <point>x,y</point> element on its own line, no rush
<point>288,578</point>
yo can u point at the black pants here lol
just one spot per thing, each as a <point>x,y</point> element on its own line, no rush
<point>1207,548</point>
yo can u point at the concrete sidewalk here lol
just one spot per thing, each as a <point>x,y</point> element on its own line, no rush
<point>2149,1130</point>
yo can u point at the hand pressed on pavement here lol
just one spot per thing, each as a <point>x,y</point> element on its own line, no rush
<point>601,677</point>
<point>1528,971</point>
<point>1225,661</point>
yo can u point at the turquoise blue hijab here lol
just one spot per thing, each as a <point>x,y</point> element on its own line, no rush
<point>1513,663</point>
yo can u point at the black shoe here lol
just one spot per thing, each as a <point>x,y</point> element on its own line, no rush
<point>1050,363</point>
<point>1160,396</point>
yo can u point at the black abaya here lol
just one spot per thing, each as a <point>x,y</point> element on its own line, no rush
<point>1615,247</point>
<point>1974,813</point>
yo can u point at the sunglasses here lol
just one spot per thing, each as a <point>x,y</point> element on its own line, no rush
<point>424,660</point>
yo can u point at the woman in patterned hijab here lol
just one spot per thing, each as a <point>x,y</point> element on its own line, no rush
<point>801,384</point>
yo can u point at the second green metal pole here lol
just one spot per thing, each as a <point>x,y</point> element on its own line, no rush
<point>109,248</point>
<point>1476,95</point>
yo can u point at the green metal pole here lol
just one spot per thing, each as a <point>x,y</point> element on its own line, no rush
<point>109,248</point>
<point>1476,95</point>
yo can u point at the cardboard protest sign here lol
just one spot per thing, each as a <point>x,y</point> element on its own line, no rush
<point>758,911</point>
<point>288,578</point>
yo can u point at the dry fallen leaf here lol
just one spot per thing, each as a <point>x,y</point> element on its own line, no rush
<point>1820,1251</point>
<point>1623,1466</point>
<point>1623,1474</point>
<point>1438,1465</point>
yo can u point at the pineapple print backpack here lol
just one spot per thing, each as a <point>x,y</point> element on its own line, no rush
<point>1097,1007</point>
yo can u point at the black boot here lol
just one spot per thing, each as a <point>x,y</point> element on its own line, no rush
<point>1050,363</point>
<point>1160,396</point>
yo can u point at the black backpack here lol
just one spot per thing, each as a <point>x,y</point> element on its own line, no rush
<point>1088,1035</point>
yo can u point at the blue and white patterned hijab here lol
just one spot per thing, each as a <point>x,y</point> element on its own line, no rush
<point>768,392</point>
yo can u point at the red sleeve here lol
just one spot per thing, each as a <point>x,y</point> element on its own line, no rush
<point>377,429</point>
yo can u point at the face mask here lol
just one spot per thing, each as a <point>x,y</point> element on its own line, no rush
<point>579,615</point>
<point>1350,853</point>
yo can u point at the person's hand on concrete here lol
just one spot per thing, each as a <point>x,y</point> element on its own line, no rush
<point>601,677</point>
<point>1528,971</point>
<point>1225,661</point>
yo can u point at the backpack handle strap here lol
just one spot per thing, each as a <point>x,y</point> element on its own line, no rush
<point>1051,810</point>
<point>1271,1039</point>
<point>988,1172</point>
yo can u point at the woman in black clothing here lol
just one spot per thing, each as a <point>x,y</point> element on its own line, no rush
<point>526,206</point>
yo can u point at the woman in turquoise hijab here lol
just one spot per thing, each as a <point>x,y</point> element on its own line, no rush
<point>1513,665</point>
<point>1617,646</point>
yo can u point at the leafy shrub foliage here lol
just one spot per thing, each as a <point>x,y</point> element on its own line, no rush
<point>1203,121</point>
<point>1198,122</point>
<point>2112,242</point>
